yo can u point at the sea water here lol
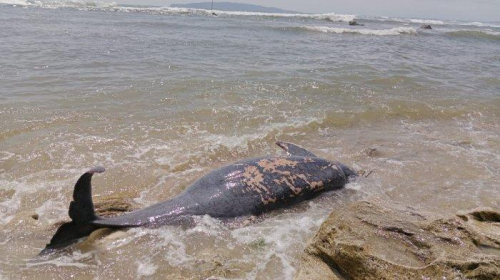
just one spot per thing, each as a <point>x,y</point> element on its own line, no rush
<point>161,96</point>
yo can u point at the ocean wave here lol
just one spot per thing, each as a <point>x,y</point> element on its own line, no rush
<point>332,17</point>
<point>376,32</point>
<point>425,21</point>
<point>478,34</point>
<point>92,5</point>
<point>15,2</point>
<point>403,20</point>
<point>54,4</point>
<point>479,24</point>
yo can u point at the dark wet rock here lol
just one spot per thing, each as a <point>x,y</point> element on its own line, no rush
<point>482,214</point>
<point>372,152</point>
<point>368,240</point>
<point>355,23</point>
<point>426,26</point>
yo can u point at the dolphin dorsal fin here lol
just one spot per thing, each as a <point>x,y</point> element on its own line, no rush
<point>294,150</point>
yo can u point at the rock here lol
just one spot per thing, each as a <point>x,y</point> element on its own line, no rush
<point>35,216</point>
<point>368,240</point>
<point>355,23</point>
<point>371,152</point>
<point>113,206</point>
<point>426,26</point>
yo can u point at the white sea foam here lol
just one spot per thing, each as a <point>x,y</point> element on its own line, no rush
<point>277,235</point>
<point>480,24</point>
<point>5,155</point>
<point>145,269</point>
<point>15,2</point>
<point>169,10</point>
<point>376,32</point>
<point>30,185</point>
<point>76,259</point>
<point>426,21</point>
<point>60,3</point>
<point>403,20</point>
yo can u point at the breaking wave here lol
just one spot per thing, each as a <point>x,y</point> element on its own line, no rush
<point>406,20</point>
<point>376,32</point>
<point>476,34</point>
<point>60,3</point>
<point>479,24</point>
<point>168,10</point>
<point>330,17</point>
<point>93,5</point>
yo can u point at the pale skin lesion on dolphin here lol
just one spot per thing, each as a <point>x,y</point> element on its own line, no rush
<point>317,186</point>
<point>314,186</point>
<point>254,178</point>
<point>271,165</point>
<point>287,182</point>
<point>255,181</point>
<point>288,179</point>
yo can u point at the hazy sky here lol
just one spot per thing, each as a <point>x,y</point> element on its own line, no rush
<point>474,10</point>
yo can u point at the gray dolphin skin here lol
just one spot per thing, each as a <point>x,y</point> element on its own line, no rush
<point>248,187</point>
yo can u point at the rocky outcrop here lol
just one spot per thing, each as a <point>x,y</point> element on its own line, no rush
<point>355,23</point>
<point>110,206</point>
<point>426,26</point>
<point>368,240</point>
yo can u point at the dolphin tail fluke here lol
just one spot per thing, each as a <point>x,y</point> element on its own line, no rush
<point>67,234</point>
<point>81,212</point>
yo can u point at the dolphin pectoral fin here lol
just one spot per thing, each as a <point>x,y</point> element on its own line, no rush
<point>294,150</point>
<point>81,212</point>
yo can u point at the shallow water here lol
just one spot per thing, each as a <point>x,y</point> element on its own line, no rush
<point>162,96</point>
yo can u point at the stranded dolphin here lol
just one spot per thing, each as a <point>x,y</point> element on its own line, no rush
<point>248,187</point>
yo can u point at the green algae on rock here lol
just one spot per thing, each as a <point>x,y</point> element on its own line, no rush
<point>368,240</point>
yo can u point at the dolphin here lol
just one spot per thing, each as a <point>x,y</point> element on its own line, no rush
<point>248,187</point>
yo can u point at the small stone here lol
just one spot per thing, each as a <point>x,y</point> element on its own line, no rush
<point>35,216</point>
<point>372,152</point>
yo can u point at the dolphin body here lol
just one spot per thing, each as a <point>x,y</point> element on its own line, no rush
<point>248,187</point>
